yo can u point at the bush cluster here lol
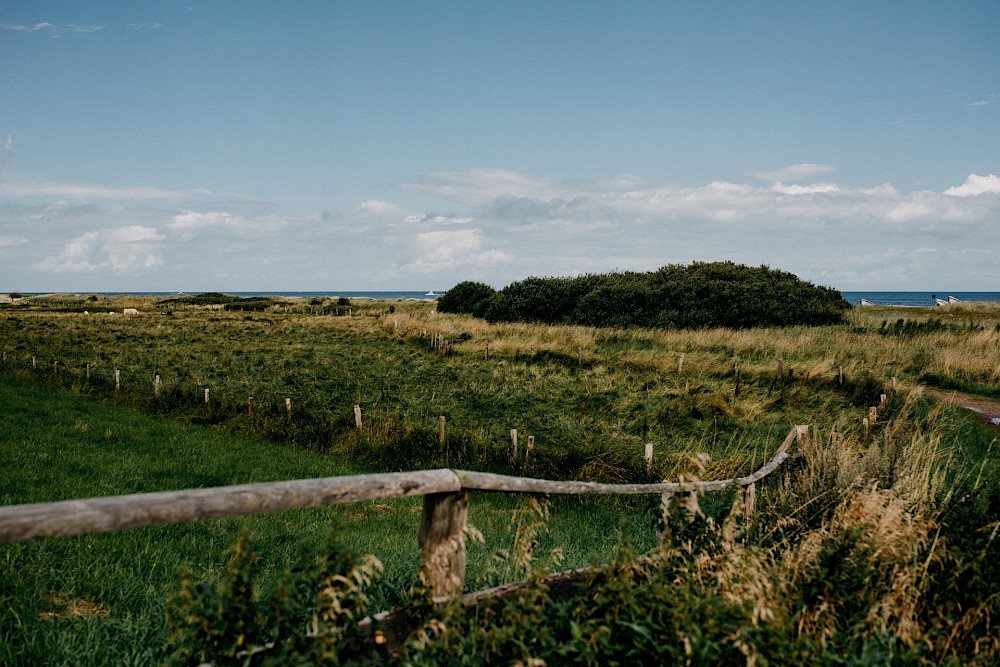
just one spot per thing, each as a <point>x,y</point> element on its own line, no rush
<point>716,294</point>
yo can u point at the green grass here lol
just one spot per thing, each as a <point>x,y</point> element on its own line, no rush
<point>591,398</point>
<point>58,447</point>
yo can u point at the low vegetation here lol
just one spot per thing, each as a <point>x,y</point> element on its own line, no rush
<point>878,548</point>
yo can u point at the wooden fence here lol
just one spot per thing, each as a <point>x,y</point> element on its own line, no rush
<point>441,536</point>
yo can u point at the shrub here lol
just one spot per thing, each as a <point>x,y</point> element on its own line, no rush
<point>466,297</point>
<point>718,294</point>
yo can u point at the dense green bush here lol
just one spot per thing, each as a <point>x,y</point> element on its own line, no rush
<point>465,297</point>
<point>717,294</point>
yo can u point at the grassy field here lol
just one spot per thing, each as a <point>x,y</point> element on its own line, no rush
<point>590,398</point>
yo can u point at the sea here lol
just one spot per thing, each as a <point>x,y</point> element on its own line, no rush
<point>924,299</point>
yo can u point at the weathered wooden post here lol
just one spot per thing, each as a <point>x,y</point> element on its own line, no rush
<point>118,379</point>
<point>288,408</point>
<point>156,385</point>
<point>513,441</point>
<point>357,417</point>
<point>803,439</point>
<point>894,383</point>
<point>88,371</point>
<point>680,363</point>
<point>249,405</point>
<point>206,396</point>
<point>442,542</point>
<point>840,375</point>
<point>749,500</point>
<point>872,415</point>
<point>649,457</point>
<point>529,447</point>
<point>34,362</point>
<point>441,431</point>
<point>665,499</point>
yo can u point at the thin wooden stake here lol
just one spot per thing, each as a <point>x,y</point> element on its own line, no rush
<point>357,417</point>
<point>840,375</point>
<point>513,440</point>
<point>441,431</point>
<point>118,379</point>
<point>649,457</point>
<point>156,385</point>
<point>34,363</point>
<point>894,383</point>
<point>872,415</point>
<point>531,445</point>
<point>249,405</point>
<point>88,371</point>
<point>206,396</point>
<point>288,407</point>
<point>749,500</point>
<point>680,363</point>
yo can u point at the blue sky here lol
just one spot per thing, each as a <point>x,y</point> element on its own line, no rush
<point>253,146</point>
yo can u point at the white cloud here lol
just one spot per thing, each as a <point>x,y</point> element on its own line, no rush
<point>976,185</point>
<point>10,241</point>
<point>795,172</point>
<point>92,192</point>
<point>804,189</point>
<point>437,219</point>
<point>52,28</point>
<point>978,103</point>
<point>380,208</point>
<point>189,224</point>
<point>439,250</point>
<point>119,250</point>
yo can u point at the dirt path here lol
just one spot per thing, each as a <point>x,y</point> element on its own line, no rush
<point>988,409</point>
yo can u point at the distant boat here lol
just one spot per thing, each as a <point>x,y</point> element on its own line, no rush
<point>952,299</point>
<point>431,293</point>
<point>940,302</point>
<point>866,302</point>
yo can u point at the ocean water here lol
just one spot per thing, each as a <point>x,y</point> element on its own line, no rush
<point>916,298</point>
<point>877,298</point>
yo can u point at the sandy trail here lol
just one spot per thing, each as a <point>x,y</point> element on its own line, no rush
<point>988,409</point>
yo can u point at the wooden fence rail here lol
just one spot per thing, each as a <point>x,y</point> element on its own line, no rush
<point>442,530</point>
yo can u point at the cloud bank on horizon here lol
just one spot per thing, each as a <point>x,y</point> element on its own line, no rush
<point>508,225</point>
<point>410,149</point>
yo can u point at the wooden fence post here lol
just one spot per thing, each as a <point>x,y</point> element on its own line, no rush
<point>840,375</point>
<point>803,440</point>
<point>156,385</point>
<point>88,371</point>
<point>680,364</point>
<point>665,498</point>
<point>34,362</point>
<point>649,456</point>
<point>513,440</point>
<point>357,417</point>
<point>872,415</point>
<point>288,407</point>
<point>118,379</point>
<point>206,396</point>
<point>441,431</point>
<point>442,542</point>
<point>249,405</point>
<point>749,500</point>
<point>529,447</point>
